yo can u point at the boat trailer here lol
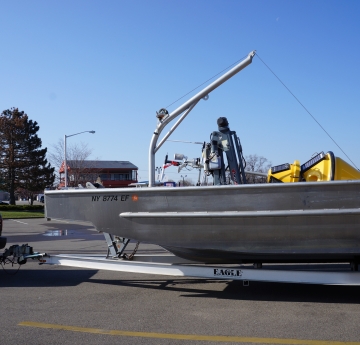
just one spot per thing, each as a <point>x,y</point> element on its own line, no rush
<point>168,264</point>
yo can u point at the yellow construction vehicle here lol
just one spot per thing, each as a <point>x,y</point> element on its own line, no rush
<point>322,167</point>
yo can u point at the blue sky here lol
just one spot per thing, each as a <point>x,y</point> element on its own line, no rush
<point>109,66</point>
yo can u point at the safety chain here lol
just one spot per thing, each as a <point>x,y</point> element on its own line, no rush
<point>130,257</point>
<point>6,261</point>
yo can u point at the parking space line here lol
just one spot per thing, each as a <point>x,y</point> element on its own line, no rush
<point>60,220</point>
<point>209,338</point>
<point>18,221</point>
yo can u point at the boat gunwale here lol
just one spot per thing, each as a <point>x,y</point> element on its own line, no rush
<point>203,188</point>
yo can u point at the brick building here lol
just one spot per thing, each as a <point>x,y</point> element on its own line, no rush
<point>111,174</point>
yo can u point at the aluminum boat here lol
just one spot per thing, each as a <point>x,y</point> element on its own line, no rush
<point>311,213</point>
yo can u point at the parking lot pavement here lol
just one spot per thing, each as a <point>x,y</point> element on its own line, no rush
<point>65,305</point>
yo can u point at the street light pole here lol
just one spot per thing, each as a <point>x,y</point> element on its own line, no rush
<point>183,177</point>
<point>65,163</point>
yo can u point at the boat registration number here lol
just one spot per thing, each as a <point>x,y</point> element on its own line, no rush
<point>123,197</point>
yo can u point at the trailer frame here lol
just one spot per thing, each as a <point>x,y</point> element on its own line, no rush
<point>170,265</point>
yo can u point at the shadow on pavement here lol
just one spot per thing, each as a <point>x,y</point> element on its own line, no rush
<point>44,277</point>
<point>256,291</point>
<point>206,288</point>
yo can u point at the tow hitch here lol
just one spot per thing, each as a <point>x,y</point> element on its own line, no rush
<point>18,255</point>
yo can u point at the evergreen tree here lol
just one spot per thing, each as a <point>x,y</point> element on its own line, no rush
<point>23,163</point>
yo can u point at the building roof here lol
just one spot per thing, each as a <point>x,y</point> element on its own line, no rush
<point>97,164</point>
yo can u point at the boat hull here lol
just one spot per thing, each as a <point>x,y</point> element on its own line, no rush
<point>300,222</point>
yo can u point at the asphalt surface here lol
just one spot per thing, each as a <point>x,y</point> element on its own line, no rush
<point>43,304</point>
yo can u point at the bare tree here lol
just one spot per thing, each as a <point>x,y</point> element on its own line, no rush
<point>76,156</point>
<point>186,182</point>
<point>256,163</point>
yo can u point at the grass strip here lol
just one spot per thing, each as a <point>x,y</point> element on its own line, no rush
<point>21,214</point>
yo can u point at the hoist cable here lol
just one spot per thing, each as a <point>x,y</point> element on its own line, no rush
<point>206,81</point>
<point>307,110</point>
